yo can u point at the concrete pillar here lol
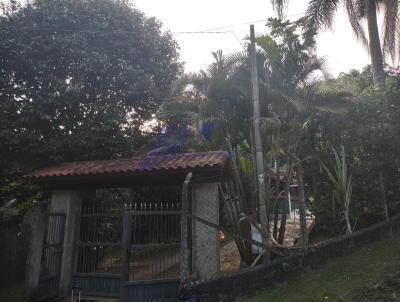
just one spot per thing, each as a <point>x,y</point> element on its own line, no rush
<point>70,203</point>
<point>205,249</point>
<point>37,224</point>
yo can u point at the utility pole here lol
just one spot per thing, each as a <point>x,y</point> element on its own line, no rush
<point>260,171</point>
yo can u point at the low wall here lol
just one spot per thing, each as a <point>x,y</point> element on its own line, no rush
<point>249,282</point>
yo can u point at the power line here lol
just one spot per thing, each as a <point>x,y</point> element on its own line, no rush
<point>215,30</point>
<point>248,23</point>
<point>199,32</point>
<point>236,38</point>
<point>235,25</point>
<point>90,31</point>
<point>55,30</point>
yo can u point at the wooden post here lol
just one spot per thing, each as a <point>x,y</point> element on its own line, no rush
<point>262,209</point>
<point>125,246</point>
<point>184,267</point>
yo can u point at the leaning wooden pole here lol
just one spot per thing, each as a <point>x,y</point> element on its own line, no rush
<point>262,209</point>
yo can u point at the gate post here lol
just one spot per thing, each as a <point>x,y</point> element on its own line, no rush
<point>68,202</point>
<point>125,247</point>
<point>205,239</point>
<point>37,222</point>
<point>184,258</point>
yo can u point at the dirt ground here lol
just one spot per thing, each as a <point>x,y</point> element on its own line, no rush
<point>229,254</point>
<point>229,258</point>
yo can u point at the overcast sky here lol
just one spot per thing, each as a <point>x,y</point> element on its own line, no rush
<point>338,46</point>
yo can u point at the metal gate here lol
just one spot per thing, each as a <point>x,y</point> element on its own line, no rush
<point>98,262</point>
<point>151,253</point>
<point>49,280</point>
<point>130,252</point>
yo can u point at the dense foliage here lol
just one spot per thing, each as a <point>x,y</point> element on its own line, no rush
<point>305,113</point>
<point>77,80</point>
<point>369,132</point>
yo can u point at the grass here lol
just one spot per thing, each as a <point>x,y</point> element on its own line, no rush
<point>344,279</point>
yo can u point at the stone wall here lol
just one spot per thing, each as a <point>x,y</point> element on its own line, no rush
<point>249,282</point>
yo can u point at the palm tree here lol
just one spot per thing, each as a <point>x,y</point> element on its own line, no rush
<point>294,77</point>
<point>320,13</point>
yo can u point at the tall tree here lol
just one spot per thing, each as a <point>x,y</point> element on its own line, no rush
<point>77,80</point>
<point>321,13</point>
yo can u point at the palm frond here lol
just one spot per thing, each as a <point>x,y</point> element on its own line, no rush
<point>292,101</point>
<point>321,13</point>
<point>390,27</point>
<point>355,22</point>
<point>280,6</point>
<point>361,8</point>
<point>236,58</point>
<point>270,51</point>
<point>309,67</point>
<point>183,109</point>
<point>322,97</point>
<point>330,175</point>
<point>180,85</point>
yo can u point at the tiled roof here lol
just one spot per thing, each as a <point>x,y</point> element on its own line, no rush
<point>159,163</point>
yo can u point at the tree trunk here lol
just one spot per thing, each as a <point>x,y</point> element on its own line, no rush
<point>277,198</point>
<point>282,228</point>
<point>347,218</point>
<point>236,177</point>
<point>375,49</point>
<point>383,191</point>
<point>302,204</point>
<point>254,192</point>
<point>276,221</point>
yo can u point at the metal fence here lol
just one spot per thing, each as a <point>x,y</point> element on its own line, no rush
<point>49,279</point>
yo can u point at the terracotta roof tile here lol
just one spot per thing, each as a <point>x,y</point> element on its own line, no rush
<point>182,161</point>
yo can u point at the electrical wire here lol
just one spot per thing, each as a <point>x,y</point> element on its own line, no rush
<point>247,23</point>
<point>215,30</point>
